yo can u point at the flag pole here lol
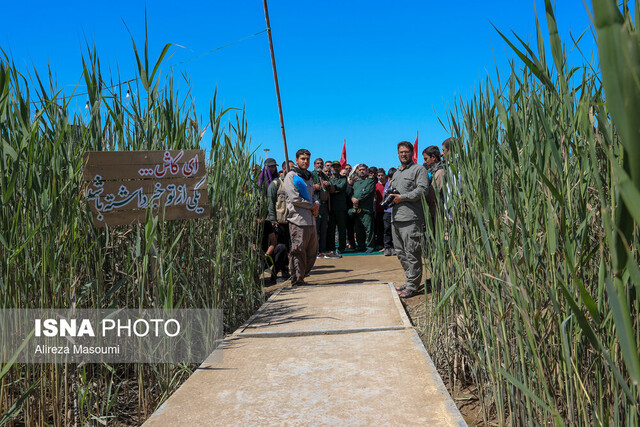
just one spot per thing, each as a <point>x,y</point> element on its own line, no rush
<point>275,78</point>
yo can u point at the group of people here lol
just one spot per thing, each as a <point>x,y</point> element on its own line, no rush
<point>367,208</point>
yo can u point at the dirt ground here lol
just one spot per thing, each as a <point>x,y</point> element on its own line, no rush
<point>380,268</point>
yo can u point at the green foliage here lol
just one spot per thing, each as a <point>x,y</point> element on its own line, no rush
<point>52,256</point>
<point>535,297</point>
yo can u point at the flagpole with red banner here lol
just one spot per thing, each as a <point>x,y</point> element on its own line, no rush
<point>343,156</point>
<point>415,150</point>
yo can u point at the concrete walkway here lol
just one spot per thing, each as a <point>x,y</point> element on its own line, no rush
<point>337,354</point>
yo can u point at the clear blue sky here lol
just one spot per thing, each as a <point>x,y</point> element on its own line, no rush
<point>370,72</point>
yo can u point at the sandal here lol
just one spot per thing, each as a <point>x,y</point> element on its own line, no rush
<point>406,293</point>
<point>401,288</point>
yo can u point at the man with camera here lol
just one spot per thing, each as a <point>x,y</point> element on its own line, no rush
<point>409,183</point>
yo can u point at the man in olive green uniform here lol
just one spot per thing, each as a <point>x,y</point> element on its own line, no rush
<point>338,213</point>
<point>407,217</point>
<point>363,193</point>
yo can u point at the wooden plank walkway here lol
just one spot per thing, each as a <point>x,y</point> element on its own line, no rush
<point>330,354</point>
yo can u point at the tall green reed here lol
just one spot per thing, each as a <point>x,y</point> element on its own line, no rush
<point>523,304</point>
<point>52,256</point>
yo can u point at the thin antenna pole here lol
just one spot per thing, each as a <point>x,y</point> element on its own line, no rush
<point>275,77</point>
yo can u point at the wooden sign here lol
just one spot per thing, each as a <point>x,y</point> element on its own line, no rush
<point>121,185</point>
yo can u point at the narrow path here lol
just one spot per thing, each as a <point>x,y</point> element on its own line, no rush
<point>339,351</point>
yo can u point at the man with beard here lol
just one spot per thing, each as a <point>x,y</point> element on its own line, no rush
<point>338,213</point>
<point>435,173</point>
<point>407,216</point>
<point>302,210</point>
<point>363,194</point>
<point>322,188</point>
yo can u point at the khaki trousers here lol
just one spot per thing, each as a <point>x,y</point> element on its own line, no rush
<point>406,241</point>
<point>304,249</point>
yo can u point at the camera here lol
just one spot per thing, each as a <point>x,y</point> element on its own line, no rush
<point>388,200</point>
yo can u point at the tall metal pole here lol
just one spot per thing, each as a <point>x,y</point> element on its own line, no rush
<point>275,77</point>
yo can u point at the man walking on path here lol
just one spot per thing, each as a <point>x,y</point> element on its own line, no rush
<point>338,213</point>
<point>407,216</point>
<point>363,194</point>
<point>303,208</point>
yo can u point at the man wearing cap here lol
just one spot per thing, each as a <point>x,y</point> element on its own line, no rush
<point>272,189</point>
<point>269,173</point>
<point>338,213</point>
<point>281,229</point>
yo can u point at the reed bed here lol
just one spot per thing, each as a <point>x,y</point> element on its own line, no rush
<point>532,302</point>
<point>52,256</point>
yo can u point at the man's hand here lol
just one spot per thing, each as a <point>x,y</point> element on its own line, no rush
<point>396,198</point>
<point>317,187</point>
<point>315,209</point>
<point>355,202</point>
<point>326,183</point>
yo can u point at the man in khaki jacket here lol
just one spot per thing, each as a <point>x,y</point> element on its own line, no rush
<point>303,208</point>
<point>407,218</point>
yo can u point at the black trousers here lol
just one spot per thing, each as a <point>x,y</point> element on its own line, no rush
<point>337,219</point>
<point>378,226</point>
<point>279,260</point>
<point>282,232</point>
<point>351,231</point>
<point>322,224</point>
<point>388,237</point>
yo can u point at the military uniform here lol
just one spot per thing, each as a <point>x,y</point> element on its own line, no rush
<point>364,191</point>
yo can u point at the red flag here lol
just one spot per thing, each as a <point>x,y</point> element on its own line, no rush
<point>415,150</point>
<point>343,156</point>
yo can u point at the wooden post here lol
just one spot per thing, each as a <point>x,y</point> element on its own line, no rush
<point>275,77</point>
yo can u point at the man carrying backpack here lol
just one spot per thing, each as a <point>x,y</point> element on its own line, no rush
<point>277,205</point>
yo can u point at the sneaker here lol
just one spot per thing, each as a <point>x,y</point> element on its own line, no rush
<point>320,256</point>
<point>368,251</point>
<point>387,252</point>
<point>332,255</point>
